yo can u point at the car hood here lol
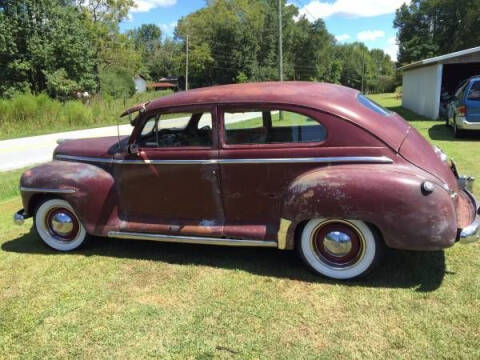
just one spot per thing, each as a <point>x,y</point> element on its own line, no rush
<point>101,147</point>
<point>421,153</point>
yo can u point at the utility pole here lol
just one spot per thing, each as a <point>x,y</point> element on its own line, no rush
<point>186,68</point>
<point>280,40</point>
<point>280,48</point>
<point>363,68</point>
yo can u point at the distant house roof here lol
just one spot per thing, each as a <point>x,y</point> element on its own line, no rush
<point>163,85</point>
<point>442,58</point>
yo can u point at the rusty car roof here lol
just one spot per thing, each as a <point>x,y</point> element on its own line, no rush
<point>335,99</point>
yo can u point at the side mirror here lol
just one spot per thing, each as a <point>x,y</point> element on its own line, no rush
<point>133,149</point>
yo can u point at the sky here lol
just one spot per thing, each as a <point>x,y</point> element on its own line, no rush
<point>369,21</point>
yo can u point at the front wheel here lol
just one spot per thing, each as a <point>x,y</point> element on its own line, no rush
<point>339,249</point>
<point>58,226</point>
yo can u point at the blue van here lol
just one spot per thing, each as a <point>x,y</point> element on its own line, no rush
<point>464,108</point>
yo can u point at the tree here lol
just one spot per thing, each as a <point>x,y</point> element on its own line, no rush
<point>429,28</point>
<point>312,51</point>
<point>39,39</point>
<point>147,38</point>
<point>102,18</point>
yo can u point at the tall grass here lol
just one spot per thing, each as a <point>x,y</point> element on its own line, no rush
<point>9,184</point>
<point>27,114</point>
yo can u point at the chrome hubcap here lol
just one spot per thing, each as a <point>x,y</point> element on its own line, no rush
<point>337,243</point>
<point>62,224</point>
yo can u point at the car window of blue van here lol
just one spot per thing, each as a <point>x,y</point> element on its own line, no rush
<point>474,93</point>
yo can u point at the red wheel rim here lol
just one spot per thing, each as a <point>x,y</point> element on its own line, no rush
<point>338,254</point>
<point>49,222</point>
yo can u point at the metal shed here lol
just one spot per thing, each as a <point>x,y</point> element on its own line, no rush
<point>424,81</point>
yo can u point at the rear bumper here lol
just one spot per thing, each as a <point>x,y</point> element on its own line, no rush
<point>463,124</point>
<point>471,233</point>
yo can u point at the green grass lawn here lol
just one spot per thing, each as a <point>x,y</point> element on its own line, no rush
<point>132,299</point>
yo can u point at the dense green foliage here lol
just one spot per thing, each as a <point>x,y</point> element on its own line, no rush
<point>117,82</point>
<point>43,44</point>
<point>62,47</point>
<point>428,28</point>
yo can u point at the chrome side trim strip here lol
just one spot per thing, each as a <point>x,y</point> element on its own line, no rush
<point>50,191</point>
<point>165,162</point>
<point>190,239</point>
<point>83,158</point>
<point>333,159</point>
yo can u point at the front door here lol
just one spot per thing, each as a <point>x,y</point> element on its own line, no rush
<point>171,186</point>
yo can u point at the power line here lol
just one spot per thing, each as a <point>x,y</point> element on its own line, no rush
<point>302,5</point>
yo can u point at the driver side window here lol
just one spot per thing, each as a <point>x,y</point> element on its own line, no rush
<point>177,130</point>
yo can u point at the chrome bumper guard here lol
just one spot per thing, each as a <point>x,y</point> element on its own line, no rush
<point>471,233</point>
<point>19,217</point>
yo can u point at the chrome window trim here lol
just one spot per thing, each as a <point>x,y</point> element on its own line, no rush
<point>333,159</point>
<point>190,239</point>
<point>46,190</point>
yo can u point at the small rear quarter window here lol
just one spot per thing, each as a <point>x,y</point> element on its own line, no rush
<point>474,93</point>
<point>372,105</point>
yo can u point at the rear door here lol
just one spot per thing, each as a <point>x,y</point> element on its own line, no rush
<point>472,102</point>
<point>264,148</point>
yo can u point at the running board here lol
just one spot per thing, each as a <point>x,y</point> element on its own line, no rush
<point>191,239</point>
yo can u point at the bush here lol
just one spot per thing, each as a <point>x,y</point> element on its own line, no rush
<point>117,83</point>
<point>59,85</point>
<point>77,114</point>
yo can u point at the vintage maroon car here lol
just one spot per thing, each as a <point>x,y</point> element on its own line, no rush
<point>316,167</point>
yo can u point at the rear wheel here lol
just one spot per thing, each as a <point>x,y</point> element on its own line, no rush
<point>456,131</point>
<point>58,226</point>
<point>338,248</point>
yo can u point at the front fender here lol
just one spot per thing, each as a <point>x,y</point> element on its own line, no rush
<point>387,196</point>
<point>89,189</point>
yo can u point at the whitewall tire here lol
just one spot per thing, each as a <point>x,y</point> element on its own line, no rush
<point>338,248</point>
<point>58,226</point>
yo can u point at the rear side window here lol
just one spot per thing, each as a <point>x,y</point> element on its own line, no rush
<point>271,127</point>
<point>372,105</point>
<point>474,93</point>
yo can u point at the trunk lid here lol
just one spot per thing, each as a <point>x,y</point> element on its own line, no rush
<point>421,153</point>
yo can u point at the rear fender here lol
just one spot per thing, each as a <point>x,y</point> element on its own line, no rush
<point>89,189</point>
<point>387,196</point>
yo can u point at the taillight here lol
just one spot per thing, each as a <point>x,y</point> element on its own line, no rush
<point>462,110</point>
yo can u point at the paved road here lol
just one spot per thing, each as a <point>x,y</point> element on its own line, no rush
<point>23,152</point>
<point>28,151</point>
